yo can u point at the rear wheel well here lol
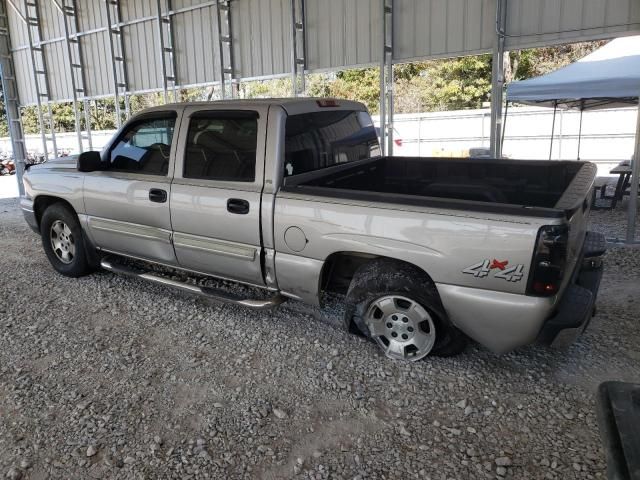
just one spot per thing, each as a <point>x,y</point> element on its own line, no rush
<point>42,202</point>
<point>340,267</point>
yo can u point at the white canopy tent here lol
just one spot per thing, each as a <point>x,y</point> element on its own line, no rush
<point>608,77</point>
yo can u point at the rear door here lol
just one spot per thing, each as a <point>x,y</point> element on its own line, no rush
<point>127,204</point>
<point>216,192</point>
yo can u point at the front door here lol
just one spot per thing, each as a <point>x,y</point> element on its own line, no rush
<point>215,195</point>
<point>127,203</point>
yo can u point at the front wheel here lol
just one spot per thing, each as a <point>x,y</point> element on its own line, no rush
<point>397,306</point>
<point>63,242</point>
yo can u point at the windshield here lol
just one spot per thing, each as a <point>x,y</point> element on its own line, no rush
<point>323,139</point>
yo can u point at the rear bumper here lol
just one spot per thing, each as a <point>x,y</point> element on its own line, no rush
<point>505,321</point>
<point>577,305</point>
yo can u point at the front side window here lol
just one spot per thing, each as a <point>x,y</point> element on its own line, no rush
<point>144,147</point>
<point>323,139</point>
<point>222,146</point>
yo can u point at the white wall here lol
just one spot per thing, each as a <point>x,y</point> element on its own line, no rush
<point>607,135</point>
<point>67,142</point>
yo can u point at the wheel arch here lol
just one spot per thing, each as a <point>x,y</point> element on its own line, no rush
<point>42,202</point>
<point>340,267</point>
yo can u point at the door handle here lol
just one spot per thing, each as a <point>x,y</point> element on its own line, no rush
<point>158,195</point>
<point>238,206</point>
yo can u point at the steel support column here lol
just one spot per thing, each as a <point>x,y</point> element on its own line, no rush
<point>10,96</point>
<point>228,84</point>
<point>298,47</point>
<point>75,64</point>
<point>632,209</point>
<point>40,77</point>
<point>386,79</point>
<point>86,107</point>
<point>167,54</point>
<point>116,49</point>
<point>497,79</point>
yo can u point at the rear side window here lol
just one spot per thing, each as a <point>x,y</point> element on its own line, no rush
<point>323,139</point>
<point>144,147</point>
<point>222,146</point>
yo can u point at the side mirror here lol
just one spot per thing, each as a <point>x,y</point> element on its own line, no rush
<point>89,162</point>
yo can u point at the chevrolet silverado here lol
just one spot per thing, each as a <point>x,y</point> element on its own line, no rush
<point>293,196</point>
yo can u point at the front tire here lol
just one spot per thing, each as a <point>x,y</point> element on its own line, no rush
<point>63,241</point>
<point>398,307</point>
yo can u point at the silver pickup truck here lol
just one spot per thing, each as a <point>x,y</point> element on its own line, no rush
<point>293,196</point>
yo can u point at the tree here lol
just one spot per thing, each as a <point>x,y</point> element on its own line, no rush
<point>362,84</point>
<point>523,64</point>
<point>4,126</point>
<point>447,84</point>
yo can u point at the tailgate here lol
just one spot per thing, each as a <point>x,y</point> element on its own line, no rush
<point>575,202</point>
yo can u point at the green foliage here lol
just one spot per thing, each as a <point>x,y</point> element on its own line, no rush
<point>4,126</point>
<point>426,86</point>
<point>278,88</point>
<point>362,84</point>
<point>523,64</point>
<point>448,84</point>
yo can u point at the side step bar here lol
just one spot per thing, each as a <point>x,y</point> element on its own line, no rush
<point>206,292</point>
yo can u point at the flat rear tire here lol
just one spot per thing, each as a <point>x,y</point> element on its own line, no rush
<point>398,307</point>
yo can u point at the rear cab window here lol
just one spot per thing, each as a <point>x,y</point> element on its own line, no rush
<point>324,139</point>
<point>222,146</point>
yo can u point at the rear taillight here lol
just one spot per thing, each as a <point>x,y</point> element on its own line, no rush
<point>549,260</point>
<point>327,102</point>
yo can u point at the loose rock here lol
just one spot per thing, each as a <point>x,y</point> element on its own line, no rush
<point>163,385</point>
<point>279,413</point>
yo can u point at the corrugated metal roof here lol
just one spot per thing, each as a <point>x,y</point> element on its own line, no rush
<point>436,28</point>
<point>59,75</point>
<point>97,64</point>
<point>343,32</point>
<point>262,37</point>
<point>196,45</point>
<point>339,33</point>
<point>548,22</point>
<point>142,56</point>
<point>52,20</point>
<point>92,15</point>
<point>17,27</point>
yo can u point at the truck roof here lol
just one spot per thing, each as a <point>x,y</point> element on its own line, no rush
<point>292,106</point>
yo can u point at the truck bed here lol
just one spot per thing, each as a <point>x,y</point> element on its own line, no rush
<point>543,188</point>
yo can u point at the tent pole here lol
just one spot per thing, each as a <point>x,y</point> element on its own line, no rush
<point>504,123</point>
<point>580,127</point>
<point>553,127</point>
<point>635,174</point>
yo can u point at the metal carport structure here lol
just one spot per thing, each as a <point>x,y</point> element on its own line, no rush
<point>78,50</point>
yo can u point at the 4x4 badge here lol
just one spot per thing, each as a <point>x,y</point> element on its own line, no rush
<point>485,267</point>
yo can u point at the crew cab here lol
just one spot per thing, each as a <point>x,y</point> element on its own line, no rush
<point>294,197</point>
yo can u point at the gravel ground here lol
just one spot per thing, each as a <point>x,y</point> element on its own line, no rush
<point>110,377</point>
